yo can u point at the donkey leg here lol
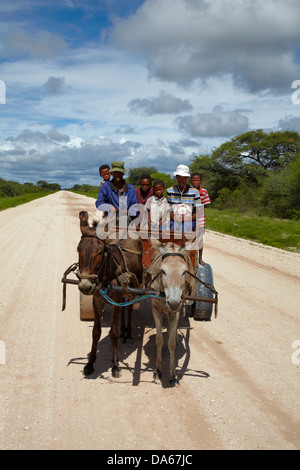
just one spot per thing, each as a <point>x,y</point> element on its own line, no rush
<point>98,306</point>
<point>159,342</point>
<point>125,330</point>
<point>128,327</point>
<point>114,337</point>
<point>172,340</point>
<point>123,325</point>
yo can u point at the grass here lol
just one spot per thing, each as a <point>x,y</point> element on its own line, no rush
<point>91,193</point>
<point>7,202</point>
<point>280,233</point>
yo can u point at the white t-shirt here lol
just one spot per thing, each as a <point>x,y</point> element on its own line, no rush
<point>158,207</point>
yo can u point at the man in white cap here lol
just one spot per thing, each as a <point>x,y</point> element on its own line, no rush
<point>184,194</point>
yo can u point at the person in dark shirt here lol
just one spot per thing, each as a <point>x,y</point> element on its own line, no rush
<point>111,191</point>
<point>145,190</point>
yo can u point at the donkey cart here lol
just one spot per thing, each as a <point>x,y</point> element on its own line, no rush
<point>198,306</point>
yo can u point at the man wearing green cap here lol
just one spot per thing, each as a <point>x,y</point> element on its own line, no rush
<point>111,191</point>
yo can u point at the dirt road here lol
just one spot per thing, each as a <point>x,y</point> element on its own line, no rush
<point>239,373</point>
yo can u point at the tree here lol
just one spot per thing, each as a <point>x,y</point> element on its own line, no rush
<point>49,186</point>
<point>272,151</point>
<point>281,192</point>
<point>215,175</point>
<point>254,171</point>
<point>134,174</point>
<point>163,177</point>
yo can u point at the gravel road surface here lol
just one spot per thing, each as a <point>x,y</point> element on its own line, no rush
<point>239,385</point>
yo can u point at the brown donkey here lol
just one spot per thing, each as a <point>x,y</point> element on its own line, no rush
<point>103,262</point>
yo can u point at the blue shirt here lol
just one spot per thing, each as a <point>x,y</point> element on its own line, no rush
<point>109,194</point>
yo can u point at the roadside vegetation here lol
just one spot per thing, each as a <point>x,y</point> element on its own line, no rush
<point>279,233</point>
<point>7,202</point>
<point>13,194</point>
<point>253,182</point>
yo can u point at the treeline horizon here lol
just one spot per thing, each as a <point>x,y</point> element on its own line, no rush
<point>256,172</point>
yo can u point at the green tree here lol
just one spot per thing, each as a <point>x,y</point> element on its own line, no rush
<point>49,186</point>
<point>281,192</point>
<point>272,151</point>
<point>134,174</point>
<point>215,175</point>
<point>241,173</point>
<point>163,177</point>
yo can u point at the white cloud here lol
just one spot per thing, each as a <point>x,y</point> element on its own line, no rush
<point>56,157</point>
<point>217,123</point>
<point>165,103</point>
<point>291,123</point>
<point>250,39</point>
<point>18,43</point>
<point>71,106</point>
<point>54,85</point>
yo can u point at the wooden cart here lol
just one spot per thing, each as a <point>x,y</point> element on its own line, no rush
<point>206,296</point>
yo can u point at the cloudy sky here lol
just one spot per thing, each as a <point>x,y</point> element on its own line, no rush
<point>147,82</point>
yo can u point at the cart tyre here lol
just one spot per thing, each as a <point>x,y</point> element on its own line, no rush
<point>86,307</point>
<point>203,310</point>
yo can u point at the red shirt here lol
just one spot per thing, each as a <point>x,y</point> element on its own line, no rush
<point>204,200</point>
<point>204,196</point>
<point>140,198</point>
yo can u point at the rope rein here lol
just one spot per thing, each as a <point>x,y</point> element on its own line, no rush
<point>104,292</point>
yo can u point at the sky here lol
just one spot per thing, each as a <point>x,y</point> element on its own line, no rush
<point>146,82</point>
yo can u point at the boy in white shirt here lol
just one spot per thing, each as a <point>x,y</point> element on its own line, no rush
<point>157,207</point>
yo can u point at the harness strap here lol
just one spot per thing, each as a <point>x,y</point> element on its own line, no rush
<point>130,250</point>
<point>85,235</point>
<point>70,269</point>
<point>173,254</point>
<point>209,287</point>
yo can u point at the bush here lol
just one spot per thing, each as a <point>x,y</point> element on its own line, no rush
<point>281,193</point>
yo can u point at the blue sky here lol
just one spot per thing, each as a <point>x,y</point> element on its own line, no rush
<point>147,82</point>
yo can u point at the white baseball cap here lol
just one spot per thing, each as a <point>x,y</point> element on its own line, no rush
<point>182,170</point>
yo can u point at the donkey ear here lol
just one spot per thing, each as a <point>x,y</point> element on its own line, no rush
<point>157,244</point>
<point>84,218</point>
<point>189,246</point>
<point>84,221</point>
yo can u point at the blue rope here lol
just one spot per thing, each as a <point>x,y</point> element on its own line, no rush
<point>125,304</point>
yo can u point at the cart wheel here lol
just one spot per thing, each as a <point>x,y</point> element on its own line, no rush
<point>86,307</point>
<point>203,310</point>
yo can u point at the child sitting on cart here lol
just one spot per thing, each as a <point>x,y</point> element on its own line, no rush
<point>157,208</point>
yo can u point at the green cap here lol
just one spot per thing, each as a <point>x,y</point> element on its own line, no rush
<point>117,166</point>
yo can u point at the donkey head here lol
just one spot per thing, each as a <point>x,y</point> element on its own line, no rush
<point>173,270</point>
<point>91,251</point>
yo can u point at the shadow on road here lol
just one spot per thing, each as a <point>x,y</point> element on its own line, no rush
<point>143,349</point>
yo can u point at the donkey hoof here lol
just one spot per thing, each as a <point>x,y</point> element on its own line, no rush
<point>128,340</point>
<point>88,370</point>
<point>157,375</point>
<point>173,382</point>
<point>116,373</point>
